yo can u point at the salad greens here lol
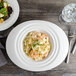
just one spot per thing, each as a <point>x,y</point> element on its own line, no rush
<point>5,11</point>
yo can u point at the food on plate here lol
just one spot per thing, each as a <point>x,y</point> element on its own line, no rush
<point>5,10</point>
<point>37,45</point>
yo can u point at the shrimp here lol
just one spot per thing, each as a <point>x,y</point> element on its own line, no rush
<point>34,54</point>
<point>46,54</point>
<point>44,36</point>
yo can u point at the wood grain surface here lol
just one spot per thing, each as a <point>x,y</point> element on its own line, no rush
<point>48,10</point>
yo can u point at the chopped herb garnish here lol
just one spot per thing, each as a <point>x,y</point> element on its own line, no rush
<point>40,44</point>
<point>5,13</point>
<point>3,10</point>
<point>34,45</point>
<point>37,40</point>
<point>1,4</point>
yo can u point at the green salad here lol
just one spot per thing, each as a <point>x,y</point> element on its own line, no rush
<point>5,10</point>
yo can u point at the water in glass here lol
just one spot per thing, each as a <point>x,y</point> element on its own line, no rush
<point>69,13</point>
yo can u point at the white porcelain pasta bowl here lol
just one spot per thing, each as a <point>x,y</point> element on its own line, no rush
<point>58,38</point>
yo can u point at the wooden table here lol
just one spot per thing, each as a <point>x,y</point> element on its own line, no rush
<point>40,10</point>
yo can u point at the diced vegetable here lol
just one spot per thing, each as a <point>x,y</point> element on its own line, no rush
<point>0,1</point>
<point>1,20</point>
<point>5,4</point>
<point>1,15</point>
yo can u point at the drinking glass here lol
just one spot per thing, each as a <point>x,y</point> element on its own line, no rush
<point>68,14</point>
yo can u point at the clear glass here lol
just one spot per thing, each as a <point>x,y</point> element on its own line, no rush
<point>68,14</point>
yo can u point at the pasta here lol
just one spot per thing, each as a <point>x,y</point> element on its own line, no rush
<point>37,45</point>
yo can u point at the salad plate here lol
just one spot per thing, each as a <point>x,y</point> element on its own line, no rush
<point>14,15</point>
<point>14,45</point>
